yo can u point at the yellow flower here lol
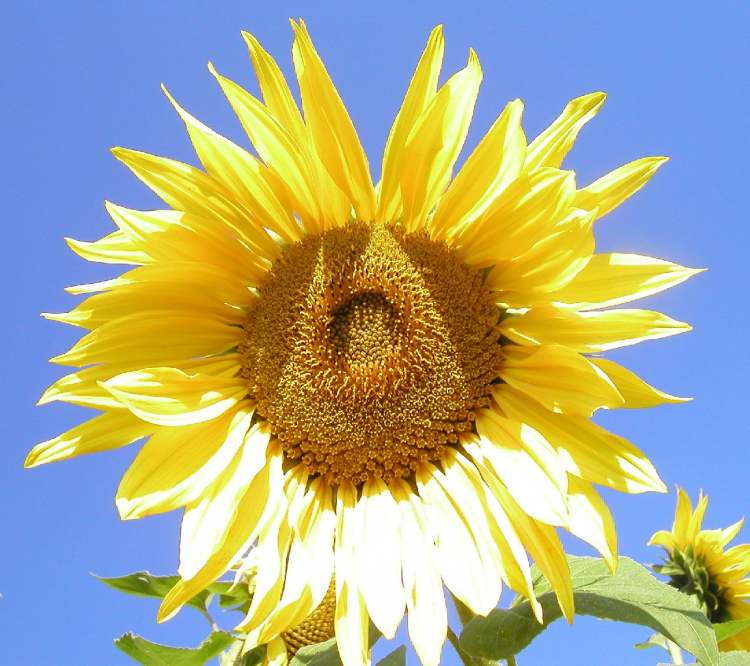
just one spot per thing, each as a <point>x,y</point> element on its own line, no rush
<point>699,563</point>
<point>388,386</point>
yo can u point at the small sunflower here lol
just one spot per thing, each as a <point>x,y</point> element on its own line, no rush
<point>387,388</point>
<point>698,562</point>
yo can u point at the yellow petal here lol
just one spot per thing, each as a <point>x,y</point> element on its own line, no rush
<point>524,214</point>
<point>275,145</point>
<point>170,397</point>
<point>274,541</point>
<point>587,450</point>
<point>494,163</point>
<point>729,533</point>
<point>552,145</point>
<point>276,654</point>
<point>186,188</point>
<point>591,520</point>
<point>434,143</point>
<point>83,386</point>
<point>683,514</point>
<point>589,332</point>
<point>636,393</point>
<point>459,561</point>
<point>538,485</point>
<point>310,562</point>
<point>544,546</point>
<point>332,130</point>
<point>548,265</point>
<point>420,92</point>
<point>662,538</point>
<point>459,481</point>
<point>151,336</point>
<point>110,430</point>
<point>351,620</point>
<point>696,519</point>
<point>559,378</point>
<point>379,559</point>
<point>195,277</point>
<point>275,90</point>
<point>216,529</point>
<point>609,191</point>
<point>515,570</point>
<point>176,464</point>
<point>241,174</point>
<point>425,603</point>
<point>334,205</point>
<point>612,279</point>
<point>114,248</point>
<point>172,297</point>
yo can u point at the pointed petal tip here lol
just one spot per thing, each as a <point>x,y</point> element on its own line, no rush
<point>126,509</point>
<point>596,98</point>
<point>473,60</point>
<point>32,458</point>
<point>168,94</point>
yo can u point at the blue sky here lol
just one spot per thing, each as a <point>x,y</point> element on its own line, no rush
<point>82,77</point>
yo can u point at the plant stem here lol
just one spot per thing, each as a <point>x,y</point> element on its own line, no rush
<point>510,661</point>
<point>675,653</point>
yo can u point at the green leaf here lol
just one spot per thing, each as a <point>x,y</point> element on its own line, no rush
<point>735,658</point>
<point>231,597</point>
<point>395,658</point>
<point>631,595</point>
<point>145,584</point>
<point>327,653</point>
<point>152,654</point>
<point>320,654</point>
<point>728,629</point>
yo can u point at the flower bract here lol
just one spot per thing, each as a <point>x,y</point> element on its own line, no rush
<point>699,562</point>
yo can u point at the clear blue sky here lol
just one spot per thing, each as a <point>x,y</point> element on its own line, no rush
<point>81,77</point>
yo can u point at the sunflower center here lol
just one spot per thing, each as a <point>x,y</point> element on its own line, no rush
<point>369,351</point>
<point>367,328</point>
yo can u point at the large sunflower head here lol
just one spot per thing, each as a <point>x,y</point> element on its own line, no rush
<point>699,563</point>
<point>387,388</point>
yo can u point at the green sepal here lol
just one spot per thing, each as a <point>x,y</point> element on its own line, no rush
<point>254,657</point>
<point>726,630</point>
<point>630,595</point>
<point>153,654</point>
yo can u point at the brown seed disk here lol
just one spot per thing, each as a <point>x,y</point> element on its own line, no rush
<point>316,627</point>
<point>369,350</point>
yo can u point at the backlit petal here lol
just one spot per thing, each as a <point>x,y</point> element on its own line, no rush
<point>420,92</point>
<point>434,143</point>
<point>170,397</point>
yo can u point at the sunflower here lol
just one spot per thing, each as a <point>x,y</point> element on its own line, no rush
<point>699,563</point>
<point>387,388</point>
